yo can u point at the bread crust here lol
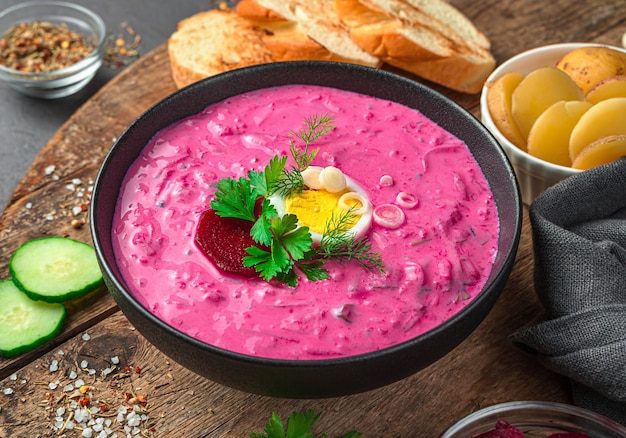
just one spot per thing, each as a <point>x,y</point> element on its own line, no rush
<point>428,38</point>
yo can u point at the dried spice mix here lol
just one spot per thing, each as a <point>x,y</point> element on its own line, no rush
<point>41,47</point>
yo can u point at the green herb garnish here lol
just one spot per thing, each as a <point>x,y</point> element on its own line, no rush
<point>316,127</point>
<point>291,248</point>
<point>298,426</point>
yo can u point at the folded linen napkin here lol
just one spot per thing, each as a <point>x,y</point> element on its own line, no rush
<point>579,238</point>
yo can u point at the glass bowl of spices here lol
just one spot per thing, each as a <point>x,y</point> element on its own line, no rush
<point>50,49</point>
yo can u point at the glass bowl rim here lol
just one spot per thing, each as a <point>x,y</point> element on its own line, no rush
<point>94,56</point>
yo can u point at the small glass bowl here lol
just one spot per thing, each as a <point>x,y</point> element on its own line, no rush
<point>537,419</point>
<point>66,81</point>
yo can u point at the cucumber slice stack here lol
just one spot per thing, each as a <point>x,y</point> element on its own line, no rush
<point>45,273</point>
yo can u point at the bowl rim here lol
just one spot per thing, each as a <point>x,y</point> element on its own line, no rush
<point>516,407</point>
<point>96,55</point>
<point>504,68</point>
<point>494,277</point>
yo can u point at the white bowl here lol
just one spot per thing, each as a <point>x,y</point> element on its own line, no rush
<point>533,174</point>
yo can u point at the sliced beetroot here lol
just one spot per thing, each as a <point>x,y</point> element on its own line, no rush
<point>224,242</point>
<point>502,430</point>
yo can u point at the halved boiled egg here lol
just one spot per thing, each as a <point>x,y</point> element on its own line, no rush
<point>316,207</point>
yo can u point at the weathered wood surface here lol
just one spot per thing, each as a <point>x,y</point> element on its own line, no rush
<point>482,371</point>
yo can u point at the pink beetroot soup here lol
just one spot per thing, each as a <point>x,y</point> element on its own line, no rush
<point>436,262</point>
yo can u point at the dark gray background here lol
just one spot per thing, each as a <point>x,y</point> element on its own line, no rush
<point>27,124</point>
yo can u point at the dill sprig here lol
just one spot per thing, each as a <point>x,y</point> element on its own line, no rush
<point>315,127</point>
<point>339,244</point>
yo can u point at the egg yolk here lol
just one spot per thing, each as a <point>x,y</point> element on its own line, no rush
<point>315,208</point>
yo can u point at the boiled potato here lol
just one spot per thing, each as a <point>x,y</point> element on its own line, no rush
<point>550,134</point>
<point>602,151</point>
<point>539,90</point>
<point>589,65</point>
<point>606,118</point>
<point>499,94</point>
<point>614,86</point>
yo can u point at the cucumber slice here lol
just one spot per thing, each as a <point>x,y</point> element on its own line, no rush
<point>55,269</point>
<point>26,324</point>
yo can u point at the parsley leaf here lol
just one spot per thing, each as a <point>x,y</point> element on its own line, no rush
<point>261,230</point>
<point>266,181</point>
<point>235,198</point>
<point>299,425</point>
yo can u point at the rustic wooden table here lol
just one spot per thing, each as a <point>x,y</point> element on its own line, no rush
<point>99,346</point>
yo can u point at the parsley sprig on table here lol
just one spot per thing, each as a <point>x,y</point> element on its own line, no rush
<point>286,250</point>
<point>298,426</point>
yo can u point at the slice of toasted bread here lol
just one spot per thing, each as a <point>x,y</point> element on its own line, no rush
<point>382,35</point>
<point>319,20</point>
<point>439,16</point>
<point>213,42</point>
<point>216,41</point>
<point>429,38</point>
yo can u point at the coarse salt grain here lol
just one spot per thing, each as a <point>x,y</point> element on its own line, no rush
<point>13,376</point>
<point>78,383</point>
<point>7,391</point>
<point>115,360</point>
<point>76,210</point>
<point>54,366</point>
<point>84,364</point>
<point>76,181</point>
<point>53,385</point>
<point>29,205</point>
<point>86,336</point>
<point>50,169</point>
<point>73,375</point>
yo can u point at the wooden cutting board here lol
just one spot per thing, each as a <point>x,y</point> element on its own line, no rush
<point>484,370</point>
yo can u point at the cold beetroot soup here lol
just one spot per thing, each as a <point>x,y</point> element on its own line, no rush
<point>435,262</point>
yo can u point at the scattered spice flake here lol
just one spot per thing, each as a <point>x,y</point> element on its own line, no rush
<point>122,49</point>
<point>104,407</point>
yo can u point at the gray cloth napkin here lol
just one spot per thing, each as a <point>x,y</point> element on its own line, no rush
<point>579,238</point>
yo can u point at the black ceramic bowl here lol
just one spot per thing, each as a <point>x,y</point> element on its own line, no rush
<point>307,378</point>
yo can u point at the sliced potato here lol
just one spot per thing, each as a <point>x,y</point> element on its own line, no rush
<point>606,118</point>
<point>499,94</point>
<point>539,90</point>
<point>549,136</point>
<point>602,151</point>
<point>614,86</point>
<point>589,65</point>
